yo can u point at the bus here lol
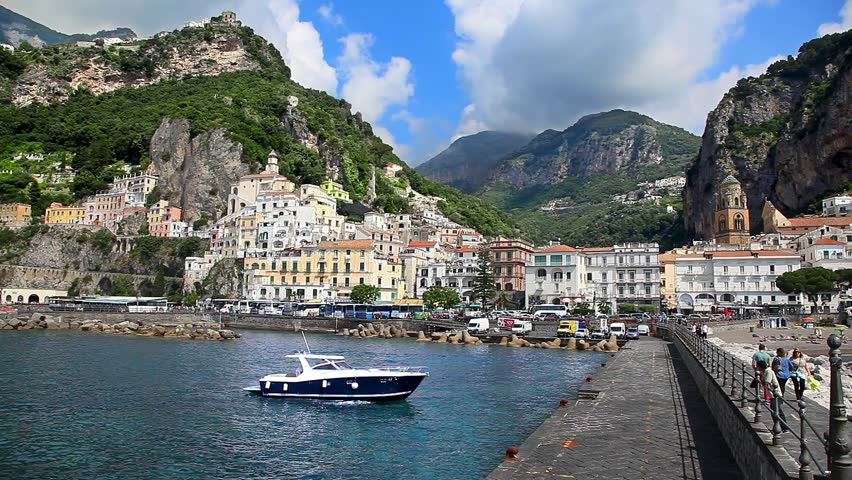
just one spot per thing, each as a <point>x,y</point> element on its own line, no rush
<point>546,309</point>
<point>375,311</point>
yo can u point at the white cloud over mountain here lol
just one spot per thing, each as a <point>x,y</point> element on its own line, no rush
<point>844,24</point>
<point>536,64</point>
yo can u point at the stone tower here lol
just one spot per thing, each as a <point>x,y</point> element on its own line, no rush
<point>272,163</point>
<point>731,222</point>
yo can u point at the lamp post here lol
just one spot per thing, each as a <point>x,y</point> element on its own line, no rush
<point>839,460</point>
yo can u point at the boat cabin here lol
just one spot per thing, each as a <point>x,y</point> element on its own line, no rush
<point>308,362</point>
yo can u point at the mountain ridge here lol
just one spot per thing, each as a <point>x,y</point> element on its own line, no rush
<point>16,29</point>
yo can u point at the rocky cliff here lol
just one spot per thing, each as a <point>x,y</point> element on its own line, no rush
<point>184,53</point>
<point>195,172</point>
<point>786,135</point>
<point>599,143</point>
<point>468,161</point>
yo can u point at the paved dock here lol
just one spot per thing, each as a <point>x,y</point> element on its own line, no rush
<point>648,421</point>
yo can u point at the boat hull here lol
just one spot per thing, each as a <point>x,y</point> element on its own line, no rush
<point>375,389</point>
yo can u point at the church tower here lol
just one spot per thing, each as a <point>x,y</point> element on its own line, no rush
<point>272,163</point>
<point>731,217</point>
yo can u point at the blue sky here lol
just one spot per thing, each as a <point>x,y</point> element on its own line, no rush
<point>424,72</point>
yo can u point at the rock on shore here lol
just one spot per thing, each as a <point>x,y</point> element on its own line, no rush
<point>188,330</point>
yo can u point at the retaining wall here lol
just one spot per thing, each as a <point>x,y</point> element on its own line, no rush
<point>750,443</point>
<point>318,324</point>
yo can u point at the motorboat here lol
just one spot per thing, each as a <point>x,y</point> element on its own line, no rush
<point>329,377</point>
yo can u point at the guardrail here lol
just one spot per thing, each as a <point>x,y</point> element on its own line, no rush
<point>746,388</point>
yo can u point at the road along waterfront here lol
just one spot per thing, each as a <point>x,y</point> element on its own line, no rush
<point>77,405</point>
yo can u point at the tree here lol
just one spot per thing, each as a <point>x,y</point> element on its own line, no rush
<point>582,308</point>
<point>809,281</point>
<point>648,308</point>
<point>484,287</point>
<point>364,294</point>
<point>844,278</point>
<point>604,307</point>
<point>444,297</point>
<point>626,308</point>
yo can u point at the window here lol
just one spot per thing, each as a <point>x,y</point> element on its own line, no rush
<point>620,291</point>
<point>603,276</point>
<point>773,298</point>
<point>497,256</point>
<point>791,298</point>
<point>541,259</point>
<point>742,285</point>
<point>604,291</point>
<point>589,277</point>
<point>509,257</point>
<point>498,270</point>
<point>725,269</point>
<point>334,281</point>
<point>647,290</point>
<point>509,271</point>
<point>620,276</point>
<point>745,299</point>
<point>772,285</point>
<point>723,224</point>
<point>772,269</point>
<point>541,273</point>
<point>361,281</point>
<point>648,259</point>
<point>632,275</point>
<point>632,290</point>
<point>756,269</point>
<point>742,269</point>
<point>739,222</point>
<point>689,269</point>
<point>789,268</point>
<point>647,275</point>
<point>556,259</point>
<point>557,276</point>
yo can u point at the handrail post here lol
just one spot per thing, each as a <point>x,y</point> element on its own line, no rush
<point>805,458</point>
<point>744,392</point>
<point>839,460</point>
<point>757,401</point>
<point>776,418</point>
<point>724,368</point>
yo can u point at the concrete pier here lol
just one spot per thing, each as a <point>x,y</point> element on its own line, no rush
<point>640,417</point>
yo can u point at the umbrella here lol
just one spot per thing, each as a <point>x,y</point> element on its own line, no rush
<point>811,319</point>
<point>842,328</point>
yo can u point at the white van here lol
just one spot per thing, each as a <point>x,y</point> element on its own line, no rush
<point>522,327</point>
<point>644,329</point>
<point>618,329</point>
<point>227,308</point>
<point>478,325</point>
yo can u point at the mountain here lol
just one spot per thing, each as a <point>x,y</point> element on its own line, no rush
<point>466,163</point>
<point>16,28</point>
<point>203,106</point>
<point>786,136</point>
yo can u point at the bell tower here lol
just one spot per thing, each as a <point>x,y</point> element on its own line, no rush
<point>272,163</point>
<point>731,223</point>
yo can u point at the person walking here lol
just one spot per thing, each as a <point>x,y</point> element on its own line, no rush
<point>760,354</point>
<point>801,371</point>
<point>693,328</point>
<point>704,330</point>
<point>772,392</point>
<point>783,368</point>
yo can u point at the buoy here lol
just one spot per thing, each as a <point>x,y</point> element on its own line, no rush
<point>563,402</point>
<point>512,454</point>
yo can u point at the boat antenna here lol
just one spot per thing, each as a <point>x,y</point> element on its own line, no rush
<point>306,341</point>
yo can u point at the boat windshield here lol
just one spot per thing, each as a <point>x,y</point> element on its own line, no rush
<point>323,364</point>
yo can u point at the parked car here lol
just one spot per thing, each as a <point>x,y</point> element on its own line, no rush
<point>581,333</point>
<point>644,329</point>
<point>598,333</point>
<point>633,333</point>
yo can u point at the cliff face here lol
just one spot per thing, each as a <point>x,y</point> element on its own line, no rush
<point>600,143</point>
<point>467,163</point>
<point>195,172</point>
<point>100,70</point>
<point>785,136</point>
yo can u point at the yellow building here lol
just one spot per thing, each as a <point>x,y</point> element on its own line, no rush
<point>15,214</point>
<point>335,190</point>
<point>327,271</point>
<point>57,213</point>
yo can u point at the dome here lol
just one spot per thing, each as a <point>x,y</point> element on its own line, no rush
<point>730,180</point>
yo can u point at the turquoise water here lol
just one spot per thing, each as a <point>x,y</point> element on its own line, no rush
<point>77,405</point>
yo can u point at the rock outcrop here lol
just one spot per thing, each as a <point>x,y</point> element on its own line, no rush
<point>196,172</point>
<point>170,58</point>
<point>785,136</point>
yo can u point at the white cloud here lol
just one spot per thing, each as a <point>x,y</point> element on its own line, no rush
<point>299,42</point>
<point>327,13</point>
<point>844,24</point>
<point>529,65</point>
<point>372,87</point>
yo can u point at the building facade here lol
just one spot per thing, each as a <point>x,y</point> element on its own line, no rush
<point>731,218</point>
<point>57,213</point>
<point>15,214</point>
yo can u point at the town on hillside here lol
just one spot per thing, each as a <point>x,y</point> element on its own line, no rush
<point>296,246</point>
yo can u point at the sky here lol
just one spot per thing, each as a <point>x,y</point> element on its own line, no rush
<point>426,72</point>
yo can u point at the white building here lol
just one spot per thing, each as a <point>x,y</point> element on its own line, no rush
<point>839,206</point>
<point>737,280</point>
<point>457,271</point>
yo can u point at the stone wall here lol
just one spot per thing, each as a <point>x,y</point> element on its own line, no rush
<point>274,322</point>
<point>750,443</point>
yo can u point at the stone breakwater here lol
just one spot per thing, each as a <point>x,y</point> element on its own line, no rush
<point>196,331</point>
<point>463,337</point>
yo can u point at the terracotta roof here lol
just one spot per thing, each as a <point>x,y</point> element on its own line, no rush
<point>597,249</point>
<point>556,248</point>
<point>668,256</point>
<point>422,244</point>
<point>828,241</point>
<point>820,221</point>
<point>465,248</point>
<point>356,244</point>
<point>741,254</point>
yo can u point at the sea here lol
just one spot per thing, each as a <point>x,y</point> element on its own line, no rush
<point>80,405</point>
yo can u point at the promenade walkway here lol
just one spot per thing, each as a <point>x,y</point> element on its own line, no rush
<point>648,421</point>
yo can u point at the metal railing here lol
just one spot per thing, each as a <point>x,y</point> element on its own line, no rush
<point>746,388</point>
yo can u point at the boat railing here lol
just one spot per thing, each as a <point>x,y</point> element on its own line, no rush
<point>399,369</point>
